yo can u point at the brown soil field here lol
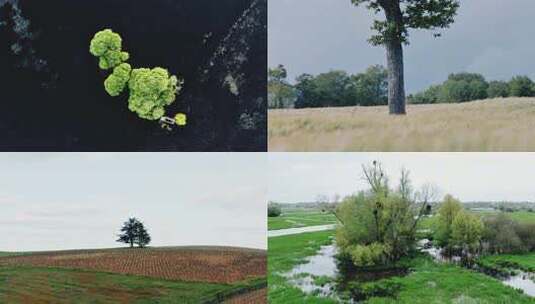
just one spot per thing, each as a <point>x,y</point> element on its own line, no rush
<point>189,264</point>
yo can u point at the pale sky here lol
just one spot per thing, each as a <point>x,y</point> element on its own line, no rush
<point>51,201</point>
<point>492,37</point>
<point>301,177</point>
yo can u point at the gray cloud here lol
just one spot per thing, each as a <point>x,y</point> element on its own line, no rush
<point>492,37</point>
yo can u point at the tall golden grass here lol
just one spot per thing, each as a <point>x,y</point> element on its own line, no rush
<point>505,124</point>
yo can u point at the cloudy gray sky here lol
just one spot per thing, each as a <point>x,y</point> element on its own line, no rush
<point>492,37</point>
<point>300,177</point>
<point>68,201</point>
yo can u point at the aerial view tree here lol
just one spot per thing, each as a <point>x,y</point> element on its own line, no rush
<point>151,90</point>
<point>402,15</point>
<point>134,232</point>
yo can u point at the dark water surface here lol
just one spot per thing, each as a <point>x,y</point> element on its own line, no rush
<point>52,90</point>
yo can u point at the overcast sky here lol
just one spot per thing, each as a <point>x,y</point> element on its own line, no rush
<point>301,177</point>
<point>74,201</point>
<point>492,37</point>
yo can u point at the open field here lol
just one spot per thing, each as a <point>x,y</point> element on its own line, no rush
<point>300,218</point>
<point>519,216</point>
<point>488,125</point>
<point>163,275</point>
<point>216,265</point>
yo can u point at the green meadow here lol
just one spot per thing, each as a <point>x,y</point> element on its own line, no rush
<point>294,218</point>
<point>426,282</point>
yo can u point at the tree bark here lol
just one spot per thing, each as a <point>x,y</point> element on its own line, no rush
<point>394,54</point>
<point>396,81</point>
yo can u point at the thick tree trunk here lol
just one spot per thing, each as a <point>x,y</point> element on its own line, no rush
<point>396,81</point>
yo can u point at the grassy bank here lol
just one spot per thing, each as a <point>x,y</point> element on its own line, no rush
<point>430,282</point>
<point>300,218</point>
<point>524,262</point>
<point>489,125</point>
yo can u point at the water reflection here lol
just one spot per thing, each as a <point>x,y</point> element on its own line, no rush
<point>524,281</point>
<point>317,275</point>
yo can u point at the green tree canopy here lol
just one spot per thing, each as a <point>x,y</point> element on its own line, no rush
<point>107,46</point>
<point>280,93</point>
<point>134,232</point>
<point>151,90</point>
<point>378,226</point>
<point>449,208</point>
<point>498,89</point>
<point>466,231</point>
<point>521,86</point>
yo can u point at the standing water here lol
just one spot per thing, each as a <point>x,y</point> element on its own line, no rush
<point>523,280</point>
<point>305,276</point>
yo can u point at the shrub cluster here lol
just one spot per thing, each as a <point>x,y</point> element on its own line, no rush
<point>504,235</point>
<point>151,90</point>
<point>274,210</point>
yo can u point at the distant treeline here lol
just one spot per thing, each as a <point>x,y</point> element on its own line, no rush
<point>370,88</point>
<point>462,87</point>
<point>331,89</point>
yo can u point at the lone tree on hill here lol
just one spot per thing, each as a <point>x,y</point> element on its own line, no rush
<point>143,237</point>
<point>134,232</point>
<point>401,15</point>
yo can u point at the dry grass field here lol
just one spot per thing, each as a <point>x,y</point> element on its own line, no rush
<point>506,124</point>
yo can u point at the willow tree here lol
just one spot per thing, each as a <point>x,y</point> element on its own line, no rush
<point>393,32</point>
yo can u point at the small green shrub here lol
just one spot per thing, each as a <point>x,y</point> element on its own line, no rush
<point>151,90</point>
<point>274,210</point>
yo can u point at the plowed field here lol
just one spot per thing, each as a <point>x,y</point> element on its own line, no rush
<point>191,264</point>
<point>151,275</point>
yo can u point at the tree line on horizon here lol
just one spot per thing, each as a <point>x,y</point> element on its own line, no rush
<point>338,88</point>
